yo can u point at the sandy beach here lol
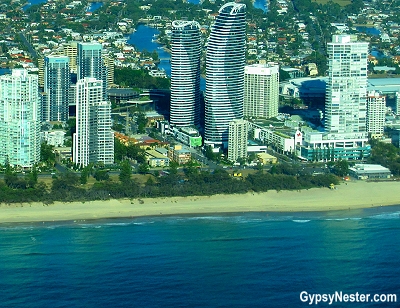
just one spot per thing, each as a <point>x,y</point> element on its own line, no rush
<point>353,195</point>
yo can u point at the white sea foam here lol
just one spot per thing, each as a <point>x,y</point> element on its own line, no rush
<point>301,220</point>
<point>395,215</point>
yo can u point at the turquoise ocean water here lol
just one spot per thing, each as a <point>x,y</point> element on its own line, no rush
<point>235,260</point>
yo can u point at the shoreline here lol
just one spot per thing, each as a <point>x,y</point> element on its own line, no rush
<point>347,196</point>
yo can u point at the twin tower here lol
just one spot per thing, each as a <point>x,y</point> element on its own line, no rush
<point>225,63</point>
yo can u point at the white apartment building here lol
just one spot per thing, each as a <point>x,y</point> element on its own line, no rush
<point>261,90</point>
<point>237,142</point>
<point>94,139</point>
<point>376,108</point>
<point>346,87</point>
<point>19,119</point>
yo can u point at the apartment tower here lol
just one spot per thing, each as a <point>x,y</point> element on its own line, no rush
<point>376,109</point>
<point>94,139</point>
<point>237,145</point>
<point>261,90</point>
<point>56,88</point>
<point>19,119</point>
<point>346,89</point>
<point>185,73</point>
<point>225,61</point>
<point>90,63</point>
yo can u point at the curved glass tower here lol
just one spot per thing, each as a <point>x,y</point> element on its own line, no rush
<point>225,63</point>
<point>185,73</point>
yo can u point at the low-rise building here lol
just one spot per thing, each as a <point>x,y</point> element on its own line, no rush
<point>156,159</point>
<point>188,136</point>
<point>265,158</point>
<point>369,171</point>
<point>179,154</point>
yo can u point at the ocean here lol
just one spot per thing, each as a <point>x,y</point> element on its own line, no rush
<point>230,260</point>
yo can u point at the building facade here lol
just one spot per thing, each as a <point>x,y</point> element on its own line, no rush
<point>225,61</point>
<point>185,73</point>
<point>90,63</point>
<point>56,88</point>
<point>237,144</point>
<point>261,90</point>
<point>376,109</point>
<point>19,119</point>
<point>94,139</point>
<point>346,88</point>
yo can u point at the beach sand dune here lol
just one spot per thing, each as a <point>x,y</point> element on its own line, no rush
<point>352,195</point>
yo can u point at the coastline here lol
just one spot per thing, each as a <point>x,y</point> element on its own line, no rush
<point>351,195</point>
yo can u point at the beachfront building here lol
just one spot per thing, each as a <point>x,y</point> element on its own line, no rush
<point>185,73</point>
<point>56,88</point>
<point>237,143</point>
<point>376,109</point>
<point>225,61</point>
<point>345,135</point>
<point>90,63</point>
<point>94,139</point>
<point>346,88</point>
<point>179,154</point>
<point>261,90</point>
<point>397,96</point>
<point>19,119</point>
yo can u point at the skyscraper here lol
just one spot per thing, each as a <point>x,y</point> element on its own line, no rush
<point>376,109</point>
<point>19,119</point>
<point>346,91</point>
<point>56,88</point>
<point>261,90</point>
<point>185,73</point>
<point>237,145</point>
<point>93,140</point>
<point>90,63</point>
<point>225,63</point>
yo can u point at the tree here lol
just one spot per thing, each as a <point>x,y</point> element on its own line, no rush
<point>341,168</point>
<point>126,171</point>
<point>143,168</point>
<point>84,175</point>
<point>46,154</point>
<point>101,175</point>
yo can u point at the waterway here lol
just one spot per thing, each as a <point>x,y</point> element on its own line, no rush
<point>369,30</point>
<point>33,2</point>
<point>94,6</point>
<point>261,4</point>
<point>144,39</point>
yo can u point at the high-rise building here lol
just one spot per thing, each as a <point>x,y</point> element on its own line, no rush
<point>19,119</point>
<point>225,63</point>
<point>109,64</point>
<point>56,88</point>
<point>376,109</point>
<point>346,89</point>
<point>185,73</point>
<point>90,63</point>
<point>397,107</point>
<point>237,144</point>
<point>261,90</point>
<point>94,139</point>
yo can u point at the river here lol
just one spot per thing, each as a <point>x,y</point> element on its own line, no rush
<point>144,38</point>
<point>33,2</point>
